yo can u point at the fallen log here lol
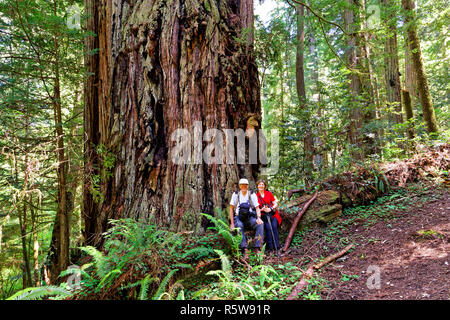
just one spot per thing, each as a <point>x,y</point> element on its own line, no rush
<point>326,207</point>
<point>364,185</point>
<point>310,271</point>
<point>295,223</point>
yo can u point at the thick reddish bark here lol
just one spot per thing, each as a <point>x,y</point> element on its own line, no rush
<point>362,109</point>
<point>162,66</point>
<point>91,121</point>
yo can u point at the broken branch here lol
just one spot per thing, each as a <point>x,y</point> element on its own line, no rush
<point>333,257</point>
<point>310,271</point>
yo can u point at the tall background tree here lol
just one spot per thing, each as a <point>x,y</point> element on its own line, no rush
<point>418,65</point>
<point>361,48</point>
<point>41,129</point>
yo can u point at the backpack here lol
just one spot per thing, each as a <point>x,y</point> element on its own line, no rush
<point>245,211</point>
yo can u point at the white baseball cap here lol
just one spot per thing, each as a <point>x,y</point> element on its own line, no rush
<point>243,181</point>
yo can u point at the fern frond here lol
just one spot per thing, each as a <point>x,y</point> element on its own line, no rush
<point>200,292</point>
<point>109,277</point>
<point>162,286</point>
<point>226,266</point>
<point>144,286</point>
<point>76,271</point>
<point>37,293</point>
<point>250,289</point>
<point>223,229</point>
<point>101,264</point>
<point>130,285</point>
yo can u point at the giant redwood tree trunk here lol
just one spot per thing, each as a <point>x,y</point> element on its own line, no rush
<point>162,66</point>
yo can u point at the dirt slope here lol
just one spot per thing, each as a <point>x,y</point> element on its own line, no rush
<point>406,240</point>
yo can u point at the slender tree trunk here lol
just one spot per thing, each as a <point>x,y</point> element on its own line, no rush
<point>367,80</point>
<point>163,66</point>
<point>299,67</point>
<point>34,232</point>
<point>23,236</point>
<point>320,152</point>
<point>416,54</point>
<point>391,63</point>
<point>354,131</point>
<point>308,142</point>
<point>91,115</point>
<point>59,251</point>
<point>410,78</point>
<point>409,113</point>
<point>27,280</point>
<point>378,111</point>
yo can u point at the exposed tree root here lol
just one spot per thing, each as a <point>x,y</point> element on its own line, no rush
<point>297,219</point>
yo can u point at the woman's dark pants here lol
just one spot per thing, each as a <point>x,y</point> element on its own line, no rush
<point>270,244</point>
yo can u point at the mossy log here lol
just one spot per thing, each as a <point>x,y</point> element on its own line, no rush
<point>326,207</point>
<point>364,185</point>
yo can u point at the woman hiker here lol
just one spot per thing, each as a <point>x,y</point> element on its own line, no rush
<point>244,213</point>
<point>270,215</point>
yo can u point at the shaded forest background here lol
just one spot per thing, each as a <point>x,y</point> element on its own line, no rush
<point>349,84</point>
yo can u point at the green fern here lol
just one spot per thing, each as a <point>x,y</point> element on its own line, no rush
<point>162,286</point>
<point>131,285</point>
<point>253,287</point>
<point>224,274</point>
<point>223,229</point>
<point>109,277</point>
<point>101,263</point>
<point>226,265</point>
<point>144,286</point>
<point>37,293</point>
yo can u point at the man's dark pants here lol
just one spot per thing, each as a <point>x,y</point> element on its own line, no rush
<point>259,234</point>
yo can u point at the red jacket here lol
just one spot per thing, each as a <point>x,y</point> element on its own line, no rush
<point>268,199</point>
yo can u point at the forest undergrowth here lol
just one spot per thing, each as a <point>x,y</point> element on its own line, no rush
<point>139,261</point>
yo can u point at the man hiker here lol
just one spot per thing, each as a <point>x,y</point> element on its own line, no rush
<point>245,214</point>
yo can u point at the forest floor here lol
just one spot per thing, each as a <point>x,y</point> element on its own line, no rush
<point>404,237</point>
